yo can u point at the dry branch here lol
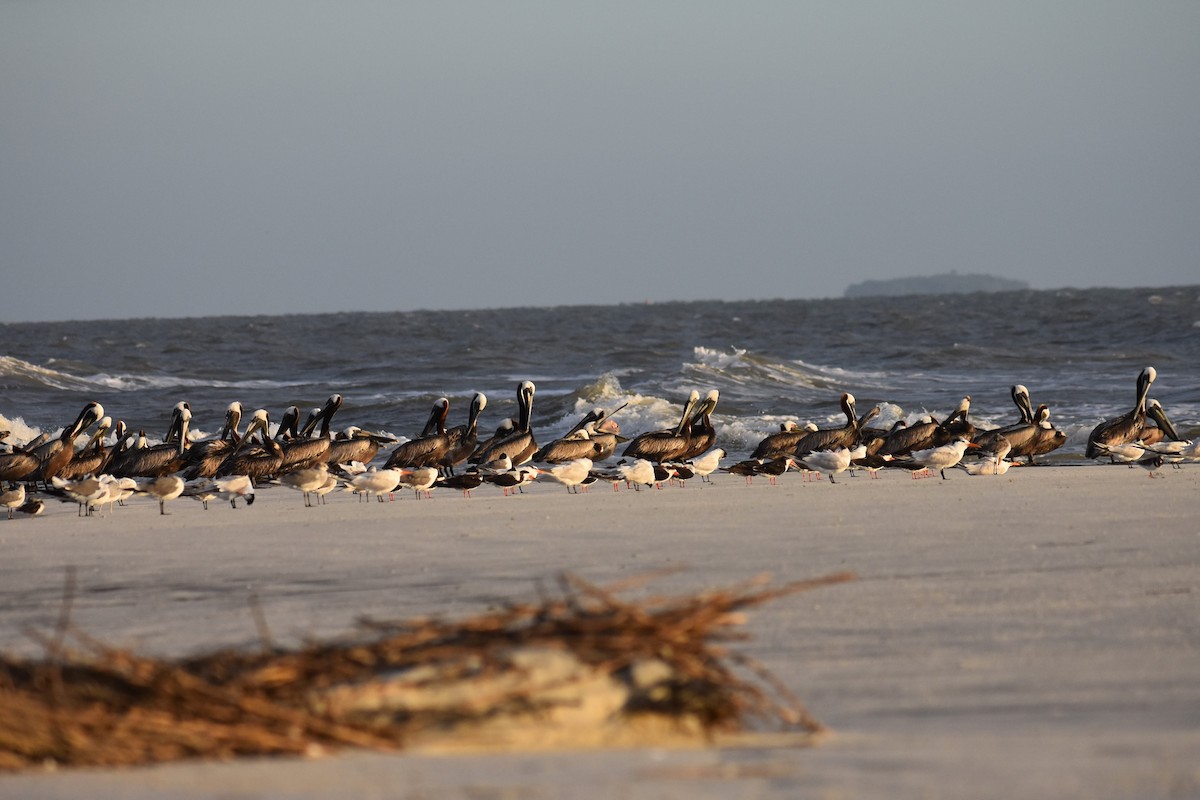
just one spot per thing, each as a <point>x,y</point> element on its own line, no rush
<point>582,658</point>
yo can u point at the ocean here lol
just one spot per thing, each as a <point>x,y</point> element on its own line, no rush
<point>1079,351</point>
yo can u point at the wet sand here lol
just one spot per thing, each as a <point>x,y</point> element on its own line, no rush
<point>1030,635</point>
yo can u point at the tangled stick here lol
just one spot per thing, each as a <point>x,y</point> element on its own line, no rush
<point>660,656</point>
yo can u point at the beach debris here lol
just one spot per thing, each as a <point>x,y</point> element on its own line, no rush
<point>580,667</point>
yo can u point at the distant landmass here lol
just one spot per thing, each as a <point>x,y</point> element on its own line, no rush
<point>949,283</point>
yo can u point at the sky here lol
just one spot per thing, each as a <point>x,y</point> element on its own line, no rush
<point>188,158</point>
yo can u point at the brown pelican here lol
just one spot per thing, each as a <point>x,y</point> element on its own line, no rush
<point>93,455</point>
<point>306,448</point>
<point>204,458</point>
<point>669,444</point>
<point>464,438</point>
<point>18,465</point>
<point>159,460</point>
<point>703,434</point>
<point>503,431</point>
<point>430,447</point>
<point>519,445</point>
<point>1127,427</point>
<point>24,462</point>
<point>251,459</point>
<point>595,436</point>
<point>918,436</point>
<point>782,443</point>
<point>1164,430</point>
<point>60,456</point>
<point>832,438</point>
<point>355,444</point>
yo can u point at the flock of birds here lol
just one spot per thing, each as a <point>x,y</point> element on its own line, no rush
<point>315,462</point>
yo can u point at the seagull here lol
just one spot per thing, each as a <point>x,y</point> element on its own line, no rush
<point>84,492</point>
<point>828,462</point>
<point>13,499</point>
<point>1121,453</point>
<point>940,458</point>
<point>306,480</point>
<point>419,479</point>
<point>168,487</point>
<point>235,486</point>
<point>706,464</point>
<point>571,473</point>
<point>377,482</point>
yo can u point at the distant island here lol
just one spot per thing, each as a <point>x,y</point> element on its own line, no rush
<point>949,283</point>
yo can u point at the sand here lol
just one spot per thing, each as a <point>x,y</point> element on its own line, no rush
<point>1030,635</point>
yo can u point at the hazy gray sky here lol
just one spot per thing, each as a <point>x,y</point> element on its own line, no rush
<point>189,158</point>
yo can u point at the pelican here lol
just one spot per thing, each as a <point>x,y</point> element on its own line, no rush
<point>503,431</point>
<point>306,480</point>
<point>307,448</point>
<point>464,438</point>
<point>1127,427</point>
<point>703,434</point>
<point>91,456</point>
<point>669,444</point>
<point>924,435</point>
<point>783,442</point>
<point>520,445</point>
<point>1164,431</point>
<point>356,445</point>
<point>13,499</point>
<point>831,438</point>
<point>430,447</point>
<point>571,473</point>
<point>159,460</point>
<point>163,488</point>
<point>252,460</point>
<point>55,454</point>
<point>204,458</point>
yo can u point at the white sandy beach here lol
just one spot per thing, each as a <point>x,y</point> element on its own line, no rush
<point>1030,635</point>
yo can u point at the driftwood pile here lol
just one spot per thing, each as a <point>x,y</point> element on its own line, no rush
<point>574,669</point>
